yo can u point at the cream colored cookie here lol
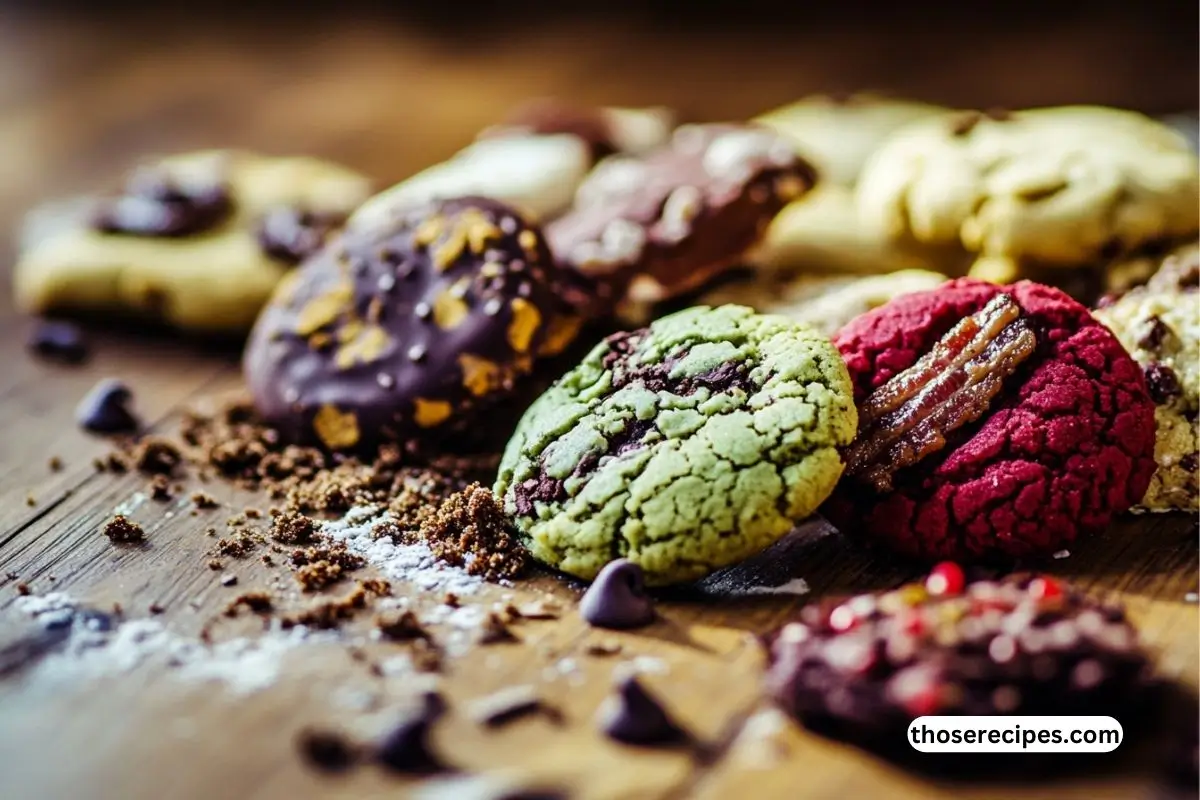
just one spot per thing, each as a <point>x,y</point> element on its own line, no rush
<point>536,174</point>
<point>838,134</point>
<point>1055,187</point>
<point>826,302</point>
<point>212,277</point>
<point>821,233</point>
<point>1159,324</point>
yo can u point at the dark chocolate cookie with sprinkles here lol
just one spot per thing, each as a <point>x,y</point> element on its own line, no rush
<point>683,447</point>
<point>412,328</point>
<point>863,668</point>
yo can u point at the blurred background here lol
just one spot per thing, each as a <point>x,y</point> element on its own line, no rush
<point>86,87</point>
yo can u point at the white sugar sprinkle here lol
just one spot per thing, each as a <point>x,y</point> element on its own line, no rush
<point>413,563</point>
<point>1063,554</point>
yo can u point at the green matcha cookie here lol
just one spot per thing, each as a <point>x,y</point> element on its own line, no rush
<point>684,447</point>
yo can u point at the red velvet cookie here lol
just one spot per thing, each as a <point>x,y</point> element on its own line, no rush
<point>990,428</point>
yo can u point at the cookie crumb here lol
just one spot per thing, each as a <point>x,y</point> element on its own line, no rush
<point>23,589</point>
<point>155,455</point>
<point>330,613</point>
<point>255,602</point>
<point>55,463</point>
<point>215,564</point>
<point>471,530</point>
<point>30,500</point>
<point>450,600</point>
<point>204,500</point>
<point>400,626</point>
<point>292,528</point>
<point>267,560</point>
<point>322,566</point>
<point>603,648</point>
<point>494,630</point>
<point>159,488</point>
<point>155,608</point>
<point>122,530</point>
<point>327,750</point>
<point>239,545</point>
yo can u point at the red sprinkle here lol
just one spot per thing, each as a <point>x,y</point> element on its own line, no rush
<point>946,579</point>
<point>1045,589</point>
<point>924,702</point>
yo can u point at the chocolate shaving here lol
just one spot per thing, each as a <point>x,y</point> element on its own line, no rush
<point>909,417</point>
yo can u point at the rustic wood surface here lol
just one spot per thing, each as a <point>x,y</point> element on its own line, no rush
<point>81,98</point>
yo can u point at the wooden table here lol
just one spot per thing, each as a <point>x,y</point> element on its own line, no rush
<point>81,98</point>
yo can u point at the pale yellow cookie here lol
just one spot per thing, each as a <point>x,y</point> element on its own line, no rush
<point>1055,187</point>
<point>837,134</point>
<point>210,280</point>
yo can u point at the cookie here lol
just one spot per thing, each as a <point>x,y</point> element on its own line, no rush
<point>863,668</point>
<point>827,302</point>
<point>994,423</point>
<point>605,130</point>
<point>1187,124</point>
<point>1049,188</point>
<point>682,447</point>
<point>669,221</point>
<point>413,329</point>
<point>837,133</point>
<point>195,240</point>
<point>536,175</point>
<point>1159,324</point>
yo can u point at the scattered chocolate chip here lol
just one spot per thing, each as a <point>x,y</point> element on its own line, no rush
<point>1162,383</point>
<point>292,234</point>
<point>23,589</point>
<point>1155,334</point>
<point>400,626</point>
<point>633,716</point>
<point>58,341</point>
<point>405,748</point>
<point>495,631</point>
<point>617,598</point>
<point>229,580</point>
<point>122,530</point>
<point>55,463</point>
<point>510,704</point>
<point>156,205</point>
<point>602,649</point>
<point>329,751</point>
<point>155,608</point>
<point>105,409</point>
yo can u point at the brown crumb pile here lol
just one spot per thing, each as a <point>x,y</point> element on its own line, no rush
<point>204,500</point>
<point>122,530</point>
<point>160,488</point>
<point>324,565</point>
<point>155,455</point>
<point>331,613</point>
<point>237,545</point>
<point>470,529</point>
<point>292,528</point>
<point>400,626</point>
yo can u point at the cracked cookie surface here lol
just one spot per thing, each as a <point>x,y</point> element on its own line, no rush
<point>1159,324</point>
<point>1063,448</point>
<point>684,447</point>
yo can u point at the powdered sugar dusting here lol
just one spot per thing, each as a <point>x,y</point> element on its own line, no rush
<point>796,586</point>
<point>413,563</point>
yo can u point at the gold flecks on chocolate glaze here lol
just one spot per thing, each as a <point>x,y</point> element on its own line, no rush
<point>368,343</point>
<point>471,229</point>
<point>285,290</point>
<point>524,324</point>
<point>491,269</point>
<point>528,241</point>
<point>324,309</point>
<point>320,340</point>
<point>449,311</point>
<point>336,429</point>
<point>481,376</point>
<point>429,230</point>
<point>561,330</point>
<point>430,413</point>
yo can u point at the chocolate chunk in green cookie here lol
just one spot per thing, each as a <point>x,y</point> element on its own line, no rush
<point>683,447</point>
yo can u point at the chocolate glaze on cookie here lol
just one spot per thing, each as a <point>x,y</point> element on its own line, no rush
<point>411,328</point>
<point>155,204</point>
<point>293,234</point>
<point>863,668</point>
<point>682,213</point>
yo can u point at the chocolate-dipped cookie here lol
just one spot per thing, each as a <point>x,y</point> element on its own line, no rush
<point>670,220</point>
<point>411,327</point>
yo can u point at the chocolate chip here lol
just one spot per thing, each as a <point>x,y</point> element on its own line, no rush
<point>632,716</point>
<point>1190,462</point>
<point>405,748</point>
<point>327,750</point>
<point>292,234</point>
<point>105,409</point>
<point>617,598</point>
<point>1162,383</point>
<point>58,341</point>
<point>1156,333</point>
<point>154,204</point>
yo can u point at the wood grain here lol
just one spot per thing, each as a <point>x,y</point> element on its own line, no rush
<point>82,97</point>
